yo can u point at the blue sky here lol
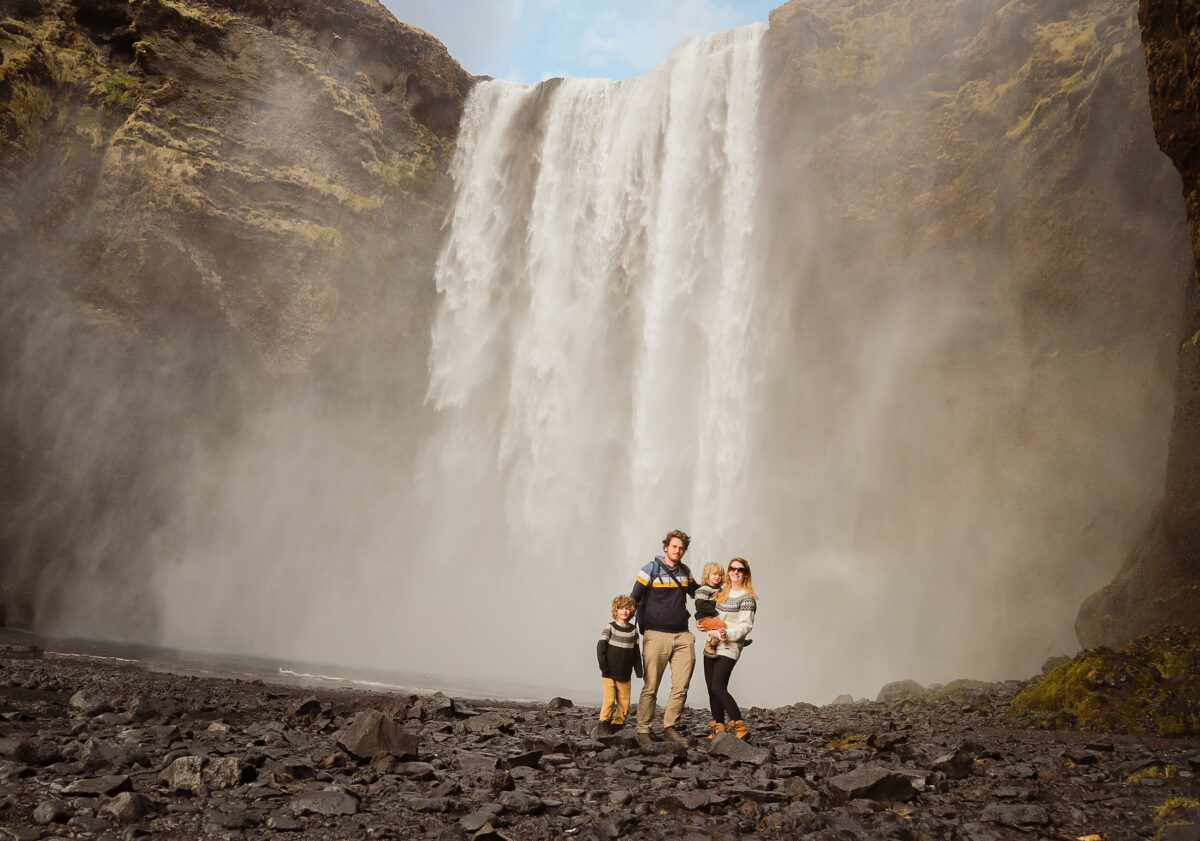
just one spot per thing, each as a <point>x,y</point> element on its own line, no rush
<point>532,40</point>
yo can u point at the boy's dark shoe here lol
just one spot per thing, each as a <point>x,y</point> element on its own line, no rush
<point>674,735</point>
<point>605,728</point>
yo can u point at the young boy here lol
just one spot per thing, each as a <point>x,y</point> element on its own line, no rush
<point>618,654</point>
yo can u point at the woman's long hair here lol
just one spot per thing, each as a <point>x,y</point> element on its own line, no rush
<point>747,584</point>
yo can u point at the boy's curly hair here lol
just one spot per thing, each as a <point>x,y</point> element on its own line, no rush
<point>712,566</point>
<point>623,601</point>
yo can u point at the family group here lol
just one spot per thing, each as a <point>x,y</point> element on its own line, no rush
<point>724,602</point>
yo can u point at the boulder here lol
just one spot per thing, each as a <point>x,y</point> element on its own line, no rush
<point>184,774</point>
<point>51,811</point>
<point>739,750</point>
<point>373,733</point>
<point>224,772</point>
<point>127,807</point>
<point>328,802</point>
<point>877,782</point>
<point>89,702</point>
<point>898,689</point>
<point>956,765</point>
<point>98,786</point>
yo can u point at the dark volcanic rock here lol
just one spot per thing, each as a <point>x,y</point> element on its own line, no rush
<point>373,733</point>
<point>878,782</point>
<point>829,774</point>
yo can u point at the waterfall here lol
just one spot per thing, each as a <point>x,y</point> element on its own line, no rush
<point>676,302</point>
<point>591,355</point>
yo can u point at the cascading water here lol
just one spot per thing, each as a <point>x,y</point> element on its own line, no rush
<point>591,356</point>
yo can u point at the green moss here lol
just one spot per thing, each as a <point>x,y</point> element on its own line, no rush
<point>1160,772</point>
<point>847,740</point>
<point>120,89</point>
<point>1174,806</point>
<point>1151,685</point>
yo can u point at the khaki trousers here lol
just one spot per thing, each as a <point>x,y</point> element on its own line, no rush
<point>616,700</point>
<point>659,649</point>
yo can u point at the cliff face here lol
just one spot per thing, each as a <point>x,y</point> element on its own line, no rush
<point>1160,582</point>
<point>230,162</point>
<point>197,200</point>
<point>997,156</point>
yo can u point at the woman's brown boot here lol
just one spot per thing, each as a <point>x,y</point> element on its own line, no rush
<point>739,729</point>
<point>717,727</point>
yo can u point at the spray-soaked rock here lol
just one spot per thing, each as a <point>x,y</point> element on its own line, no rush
<point>373,733</point>
<point>900,689</point>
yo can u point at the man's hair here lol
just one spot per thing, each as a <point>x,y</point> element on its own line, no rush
<point>621,601</point>
<point>677,533</point>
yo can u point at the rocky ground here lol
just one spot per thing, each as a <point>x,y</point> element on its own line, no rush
<point>93,748</point>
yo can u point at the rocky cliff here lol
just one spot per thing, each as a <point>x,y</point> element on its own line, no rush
<point>197,202</point>
<point>1160,582</point>
<point>1002,142</point>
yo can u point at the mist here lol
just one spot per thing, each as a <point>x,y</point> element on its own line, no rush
<point>692,299</point>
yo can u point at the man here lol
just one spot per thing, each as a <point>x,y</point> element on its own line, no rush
<point>661,591</point>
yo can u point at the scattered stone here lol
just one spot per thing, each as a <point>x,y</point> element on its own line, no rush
<point>957,765</point>
<point>224,772</point>
<point>529,759</point>
<point>520,802</point>
<point>303,712</point>
<point>184,774</point>
<point>328,802</point>
<point>51,811</point>
<point>560,704</point>
<point>98,786</point>
<point>485,815</point>
<point>87,702</point>
<point>127,807</point>
<point>477,763</point>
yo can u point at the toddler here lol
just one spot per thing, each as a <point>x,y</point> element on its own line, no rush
<point>711,583</point>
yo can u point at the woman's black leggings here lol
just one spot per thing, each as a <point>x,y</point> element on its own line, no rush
<point>716,674</point>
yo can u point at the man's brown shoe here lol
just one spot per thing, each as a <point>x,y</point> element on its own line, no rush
<point>674,735</point>
<point>644,740</point>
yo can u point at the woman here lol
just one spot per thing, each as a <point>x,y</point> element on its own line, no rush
<point>735,605</point>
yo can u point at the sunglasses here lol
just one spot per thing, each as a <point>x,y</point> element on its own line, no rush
<point>738,569</point>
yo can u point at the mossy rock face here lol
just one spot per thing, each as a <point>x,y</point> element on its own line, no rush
<point>1150,686</point>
